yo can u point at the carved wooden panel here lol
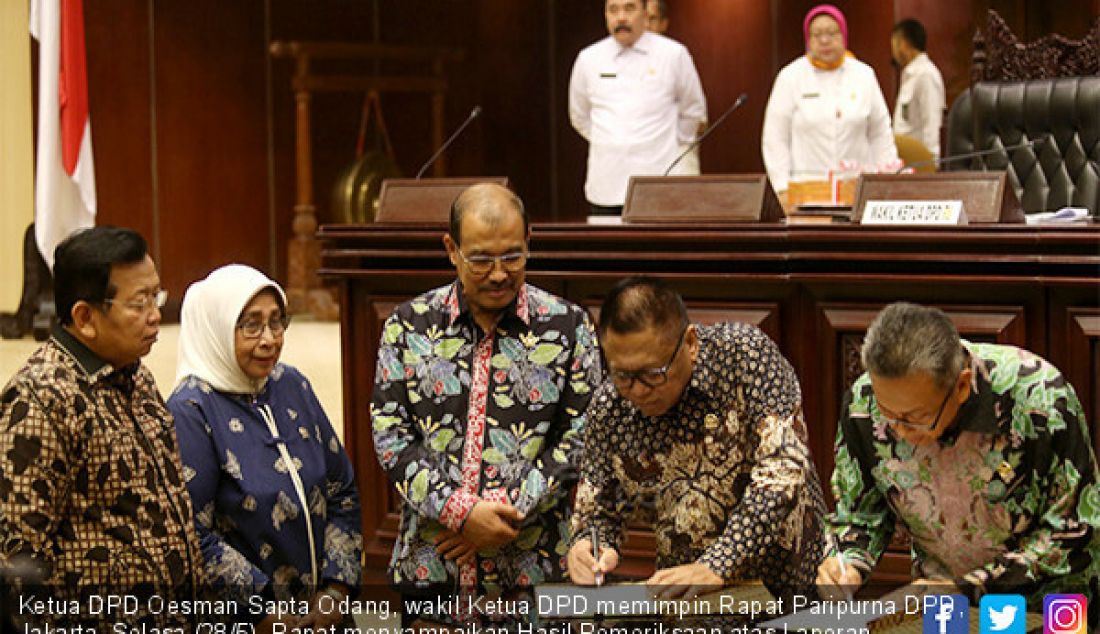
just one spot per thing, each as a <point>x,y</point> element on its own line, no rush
<point>1082,367</point>
<point>1000,56</point>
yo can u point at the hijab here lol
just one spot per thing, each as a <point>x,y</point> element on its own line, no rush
<point>208,327</point>
<point>832,12</point>
<point>842,22</point>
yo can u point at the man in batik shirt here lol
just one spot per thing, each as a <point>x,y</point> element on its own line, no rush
<point>979,452</point>
<point>478,408</point>
<point>703,426</point>
<point>92,498</point>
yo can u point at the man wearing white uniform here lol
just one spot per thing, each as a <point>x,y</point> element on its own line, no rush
<point>919,110</point>
<point>636,98</point>
<point>825,107</point>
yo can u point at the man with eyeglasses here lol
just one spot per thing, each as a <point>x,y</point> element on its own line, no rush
<point>92,494</point>
<point>979,452</point>
<point>478,406</point>
<point>699,428</point>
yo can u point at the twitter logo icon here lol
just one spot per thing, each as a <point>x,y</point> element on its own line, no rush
<point>1003,614</point>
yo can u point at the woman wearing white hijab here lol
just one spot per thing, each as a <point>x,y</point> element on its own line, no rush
<point>276,505</point>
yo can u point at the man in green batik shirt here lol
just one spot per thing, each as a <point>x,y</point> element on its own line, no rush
<point>980,452</point>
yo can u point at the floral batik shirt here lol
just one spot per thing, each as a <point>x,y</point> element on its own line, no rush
<point>92,498</point>
<point>249,512</point>
<point>725,477</point>
<point>461,415</point>
<point>1006,501</point>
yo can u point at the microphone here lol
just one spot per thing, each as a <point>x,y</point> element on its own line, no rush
<point>736,104</point>
<point>969,155</point>
<point>451,139</point>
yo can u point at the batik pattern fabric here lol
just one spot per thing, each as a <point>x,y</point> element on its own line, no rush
<point>461,415</point>
<point>1006,501</point>
<point>725,477</point>
<point>248,512</point>
<point>92,497</point>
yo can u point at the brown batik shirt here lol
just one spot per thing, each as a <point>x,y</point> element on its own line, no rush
<point>725,477</point>
<point>92,501</point>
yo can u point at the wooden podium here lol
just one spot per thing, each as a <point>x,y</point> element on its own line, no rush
<point>425,200</point>
<point>987,197</point>
<point>710,198</point>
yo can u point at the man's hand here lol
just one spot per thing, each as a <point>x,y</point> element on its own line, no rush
<point>687,581</point>
<point>453,546</point>
<point>491,524</point>
<point>583,568</point>
<point>834,585</point>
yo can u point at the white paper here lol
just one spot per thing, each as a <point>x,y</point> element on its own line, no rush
<point>1065,215</point>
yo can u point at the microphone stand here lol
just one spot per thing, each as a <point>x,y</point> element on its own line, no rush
<point>969,155</point>
<point>736,104</point>
<point>446,144</point>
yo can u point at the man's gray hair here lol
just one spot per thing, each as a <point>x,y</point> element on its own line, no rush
<point>906,338</point>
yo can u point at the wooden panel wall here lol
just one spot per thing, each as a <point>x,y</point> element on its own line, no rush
<point>193,123</point>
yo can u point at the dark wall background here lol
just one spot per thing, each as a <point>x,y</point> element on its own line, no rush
<point>193,121</point>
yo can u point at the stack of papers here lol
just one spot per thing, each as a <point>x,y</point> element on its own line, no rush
<point>1065,215</point>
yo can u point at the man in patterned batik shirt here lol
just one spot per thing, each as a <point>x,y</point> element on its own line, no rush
<point>700,429</point>
<point>979,452</point>
<point>478,407</point>
<point>92,501</point>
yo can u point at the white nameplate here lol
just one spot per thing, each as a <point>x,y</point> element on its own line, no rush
<point>913,212</point>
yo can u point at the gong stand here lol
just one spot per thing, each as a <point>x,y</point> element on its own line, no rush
<point>304,290</point>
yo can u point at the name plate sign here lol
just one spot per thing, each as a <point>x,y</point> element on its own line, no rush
<point>914,212</point>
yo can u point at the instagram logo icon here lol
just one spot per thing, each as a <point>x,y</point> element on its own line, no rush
<point>1064,614</point>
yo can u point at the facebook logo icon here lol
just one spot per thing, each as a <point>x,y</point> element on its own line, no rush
<point>946,614</point>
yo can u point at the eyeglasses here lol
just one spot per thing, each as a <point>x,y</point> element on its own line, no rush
<point>825,35</point>
<point>925,427</point>
<point>651,377</point>
<point>143,303</point>
<point>482,264</point>
<point>254,328</point>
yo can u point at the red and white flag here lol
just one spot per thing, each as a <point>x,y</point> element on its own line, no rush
<point>64,189</point>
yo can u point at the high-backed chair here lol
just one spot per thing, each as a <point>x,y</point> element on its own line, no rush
<point>1062,171</point>
<point>1048,89</point>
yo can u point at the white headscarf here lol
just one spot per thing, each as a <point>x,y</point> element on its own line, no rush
<point>208,326</point>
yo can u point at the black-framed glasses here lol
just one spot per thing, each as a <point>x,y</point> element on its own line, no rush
<point>254,328</point>
<point>925,427</point>
<point>650,377</point>
<point>482,264</point>
<point>143,303</point>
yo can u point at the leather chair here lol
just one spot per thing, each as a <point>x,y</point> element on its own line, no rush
<point>1062,172</point>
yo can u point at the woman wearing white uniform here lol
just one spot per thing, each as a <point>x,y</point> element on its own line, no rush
<point>825,107</point>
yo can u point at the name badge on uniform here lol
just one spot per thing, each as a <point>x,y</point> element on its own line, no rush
<point>608,75</point>
<point>811,95</point>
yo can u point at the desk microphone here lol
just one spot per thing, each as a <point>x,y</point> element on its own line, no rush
<point>969,155</point>
<point>737,104</point>
<point>473,115</point>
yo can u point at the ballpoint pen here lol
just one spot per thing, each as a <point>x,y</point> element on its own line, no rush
<point>596,554</point>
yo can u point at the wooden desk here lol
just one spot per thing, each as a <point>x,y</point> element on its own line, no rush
<point>812,288</point>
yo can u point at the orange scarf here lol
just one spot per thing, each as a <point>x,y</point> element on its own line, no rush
<point>820,65</point>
